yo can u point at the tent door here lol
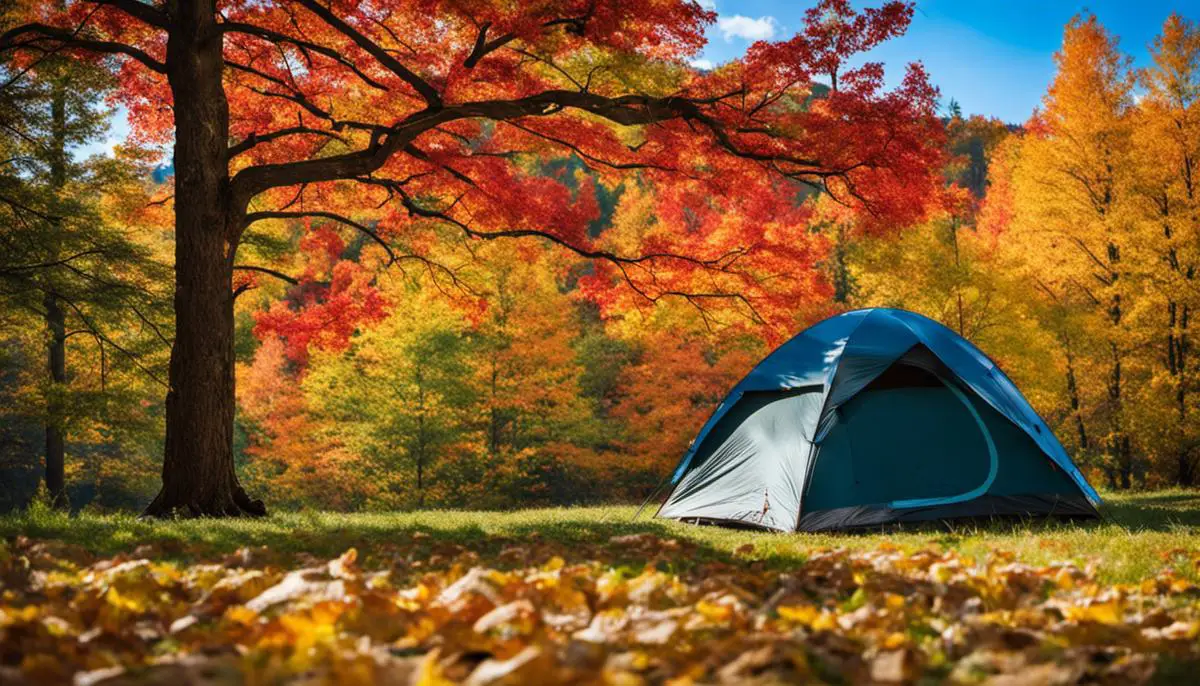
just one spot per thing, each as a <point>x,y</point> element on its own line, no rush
<point>993,461</point>
<point>910,439</point>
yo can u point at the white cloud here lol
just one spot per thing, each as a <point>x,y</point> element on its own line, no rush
<point>709,5</point>
<point>702,64</point>
<point>739,26</point>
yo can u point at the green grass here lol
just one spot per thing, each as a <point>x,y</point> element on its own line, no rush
<point>1131,543</point>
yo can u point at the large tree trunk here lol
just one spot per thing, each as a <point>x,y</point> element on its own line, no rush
<point>198,469</point>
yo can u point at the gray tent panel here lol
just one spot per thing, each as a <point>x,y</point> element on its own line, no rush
<point>751,468</point>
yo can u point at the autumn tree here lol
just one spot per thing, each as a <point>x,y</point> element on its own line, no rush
<point>1050,353</point>
<point>1165,205</point>
<point>398,396</point>
<point>296,453</point>
<point>1070,224</point>
<point>428,108</point>
<point>66,260</point>
<point>524,367</point>
<point>939,267</point>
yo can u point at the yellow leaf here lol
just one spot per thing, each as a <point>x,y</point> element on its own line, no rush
<point>430,672</point>
<point>240,614</point>
<point>940,572</point>
<point>801,614</point>
<point>825,622</point>
<point>344,566</point>
<point>640,661</point>
<point>1063,579</point>
<point>893,601</point>
<point>412,599</point>
<point>715,612</point>
<point>1100,613</point>
<point>123,602</point>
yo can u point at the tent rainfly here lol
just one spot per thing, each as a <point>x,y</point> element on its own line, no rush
<point>873,417</point>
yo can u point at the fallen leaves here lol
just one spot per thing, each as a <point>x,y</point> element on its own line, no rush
<point>574,615</point>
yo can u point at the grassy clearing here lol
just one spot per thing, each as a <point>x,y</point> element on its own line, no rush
<point>1132,543</point>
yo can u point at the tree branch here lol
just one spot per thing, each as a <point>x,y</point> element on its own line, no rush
<point>628,110</point>
<point>256,138</point>
<point>303,45</point>
<point>71,39</point>
<point>264,270</point>
<point>146,13</point>
<point>279,214</point>
<point>420,85</point>
<point>483,46</point>
<point>718,263</point>
<point>46,265</point>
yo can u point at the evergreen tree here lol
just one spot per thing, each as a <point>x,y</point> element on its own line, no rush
<point>62,260</point>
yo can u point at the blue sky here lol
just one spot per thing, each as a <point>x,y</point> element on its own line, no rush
<point>995,57</point>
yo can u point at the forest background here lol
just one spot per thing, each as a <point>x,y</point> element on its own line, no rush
<point>498,374</point>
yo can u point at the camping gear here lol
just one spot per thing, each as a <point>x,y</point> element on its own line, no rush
<point>874,417</point>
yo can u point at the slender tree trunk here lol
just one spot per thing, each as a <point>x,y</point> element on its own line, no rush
<point>1187,467</point>
<point>494,416</point>
<point>1073,399</point>
<point>962,325</point>
<point>421,441</point>
<point>1177,344</point>
<point>1120,448</point>
<point>198,469</point>
<point>56,325</point>
<point>1076,406</point>
<point>843,286</point>
<point>1119,445</point>
<point>57,362</point>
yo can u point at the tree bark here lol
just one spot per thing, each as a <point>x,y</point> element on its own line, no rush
<point>1177,344</point>
<point>1119,445</point>
<point>55,318</point>
<point>198,469</point>
<point>421,440</point>
<point>1120,449</point>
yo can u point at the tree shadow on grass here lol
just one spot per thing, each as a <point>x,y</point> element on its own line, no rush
<point>620,543</point>
<point>532,537</point>
<point>388,541</point>
<point>1154,511</point>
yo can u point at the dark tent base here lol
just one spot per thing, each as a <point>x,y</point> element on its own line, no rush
<point>983,507</point>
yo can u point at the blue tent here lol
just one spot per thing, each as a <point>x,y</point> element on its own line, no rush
<point>872,417</point>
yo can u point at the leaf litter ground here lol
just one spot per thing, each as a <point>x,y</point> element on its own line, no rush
<point>491,599</point>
